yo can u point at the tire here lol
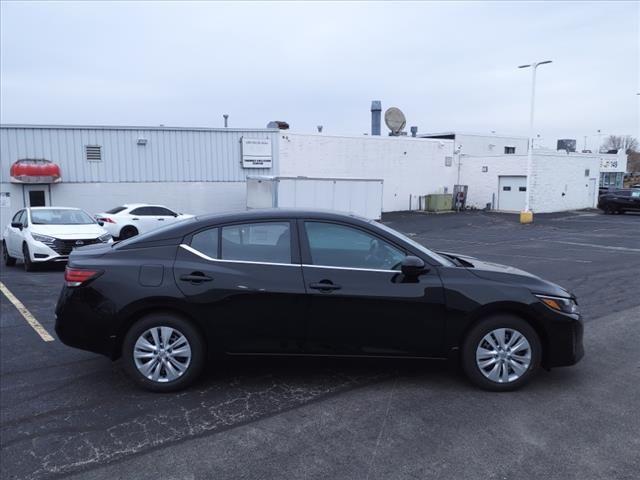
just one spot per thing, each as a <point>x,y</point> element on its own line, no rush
<point>9,261</point>
<point>521,364</point>
<point>151,329</point>
<point>28,264</point>
<point>128,232</point>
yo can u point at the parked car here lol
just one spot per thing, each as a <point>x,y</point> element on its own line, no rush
<point>620,201</point>
<point>49,234</point>
<point>308,283</point>
<point>132,219</point>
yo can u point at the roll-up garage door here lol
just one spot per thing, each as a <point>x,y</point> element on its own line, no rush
<point>512,192</point>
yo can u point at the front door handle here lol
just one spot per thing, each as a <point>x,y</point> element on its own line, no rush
<point>196,277</point>
<point>325,286</point>
<point>135,219</point>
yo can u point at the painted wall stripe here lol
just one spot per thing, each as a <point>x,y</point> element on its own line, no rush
<point>31,320</point>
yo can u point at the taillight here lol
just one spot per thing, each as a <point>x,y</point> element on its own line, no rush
<point>75,277</point>
<point>106,220</point>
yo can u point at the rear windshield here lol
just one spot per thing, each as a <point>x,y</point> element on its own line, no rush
<point>113,211</point>
<point>55,216</point>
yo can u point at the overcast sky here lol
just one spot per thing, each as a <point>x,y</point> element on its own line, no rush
<point>448,66</point>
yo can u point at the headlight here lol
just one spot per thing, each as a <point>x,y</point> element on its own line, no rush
<point>105,238</point>
<point>42,238</point>
<point>560,304</point>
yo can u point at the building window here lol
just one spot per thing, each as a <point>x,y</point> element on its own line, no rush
<point>448,161</point>
<point>522,189</point>
<point>509,150</point>
<point>93,153</point>
<point>506,189</point>
<point>485,169</point>
<point>587,172</point>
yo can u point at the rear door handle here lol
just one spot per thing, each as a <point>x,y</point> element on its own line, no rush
<point>135,219</point>
<point>196,277</point>
<point>161,219</point>
<point>325,286</point>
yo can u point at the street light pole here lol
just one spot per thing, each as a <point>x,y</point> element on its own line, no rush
<point>526,216</point>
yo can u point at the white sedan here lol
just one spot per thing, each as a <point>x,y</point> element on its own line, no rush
<point>48,234</point>
<point>135,218</point>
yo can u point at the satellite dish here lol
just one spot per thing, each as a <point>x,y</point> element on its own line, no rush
<point>395,120</point>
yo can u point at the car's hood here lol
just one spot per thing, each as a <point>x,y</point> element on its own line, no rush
<point>511,275</point>
<point>69,232</point>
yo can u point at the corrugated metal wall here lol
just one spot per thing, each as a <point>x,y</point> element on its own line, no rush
<point>170,155</point>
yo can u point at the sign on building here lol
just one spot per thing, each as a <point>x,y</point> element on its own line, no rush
<point>256,152</point>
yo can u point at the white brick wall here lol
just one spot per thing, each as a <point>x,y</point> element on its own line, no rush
<point>409,166</point>
<point>553,174</point>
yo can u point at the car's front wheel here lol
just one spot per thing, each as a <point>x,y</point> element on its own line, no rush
<point>163,353</point>
<point>28,263</point>
<point>501,353</point>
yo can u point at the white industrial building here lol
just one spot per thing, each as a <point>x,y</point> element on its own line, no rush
<point>199,170</point>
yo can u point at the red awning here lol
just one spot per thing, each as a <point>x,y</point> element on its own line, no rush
<point>35,170</point>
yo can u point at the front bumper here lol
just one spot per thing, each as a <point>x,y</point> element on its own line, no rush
<point>58,250</point>
<point>565,345</point>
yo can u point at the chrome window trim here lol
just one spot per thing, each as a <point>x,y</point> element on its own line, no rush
<point>351,268</point>
<point>250,262</point>
<point>190,249</point>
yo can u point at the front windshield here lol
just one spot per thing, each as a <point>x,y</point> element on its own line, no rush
<point>436,256</point>
<point>60,216</point>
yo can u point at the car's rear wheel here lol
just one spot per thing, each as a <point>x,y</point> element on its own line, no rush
<point>128,232</point>
<point>501,353</point>
<point>163,353</point>
<point>9,261</point>
<point>28,263</point>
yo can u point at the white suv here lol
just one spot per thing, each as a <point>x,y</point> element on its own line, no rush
<point>134,218</point>
<point>48,234</point>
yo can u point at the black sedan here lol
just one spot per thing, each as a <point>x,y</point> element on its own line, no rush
<point>308,283</point>
<point>620,201</point>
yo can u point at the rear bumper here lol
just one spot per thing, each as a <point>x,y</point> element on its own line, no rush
<point>80,325</point>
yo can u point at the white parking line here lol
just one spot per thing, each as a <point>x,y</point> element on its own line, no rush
<point>31,320</point>
<point>592,245</point>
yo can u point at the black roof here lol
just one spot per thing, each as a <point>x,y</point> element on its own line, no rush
<point>268,213</point>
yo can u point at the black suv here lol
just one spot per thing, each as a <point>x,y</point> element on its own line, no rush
<point>620,201</point>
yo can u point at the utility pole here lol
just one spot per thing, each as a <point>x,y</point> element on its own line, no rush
<point>526,216</point>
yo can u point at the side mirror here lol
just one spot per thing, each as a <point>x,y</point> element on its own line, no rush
<point>101,223</point>
<point>413,266</point>
<point>17,225</point>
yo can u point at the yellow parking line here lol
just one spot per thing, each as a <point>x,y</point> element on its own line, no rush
<point>31,320</point>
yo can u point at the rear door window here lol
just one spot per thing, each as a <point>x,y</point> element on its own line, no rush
<point>265,242</point>
<point>143,211</point>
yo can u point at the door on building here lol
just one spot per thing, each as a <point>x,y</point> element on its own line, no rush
<point>512,191</point>
<point>36,195</point>
<point>592,192</point>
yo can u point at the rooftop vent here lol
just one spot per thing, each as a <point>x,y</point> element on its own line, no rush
<point>93,153</point>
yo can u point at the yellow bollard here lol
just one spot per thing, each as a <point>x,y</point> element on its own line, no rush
<point>526,217</point>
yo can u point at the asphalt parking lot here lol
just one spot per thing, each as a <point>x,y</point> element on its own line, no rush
<point>72,414</point>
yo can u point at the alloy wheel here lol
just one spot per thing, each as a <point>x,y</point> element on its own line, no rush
<point>162,354</point>
<point>503,355</point>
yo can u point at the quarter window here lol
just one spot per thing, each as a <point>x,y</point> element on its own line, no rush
<point>16,217</point>
<point>336,245</point>
<point>268,242</point>
<point>206,242</point>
